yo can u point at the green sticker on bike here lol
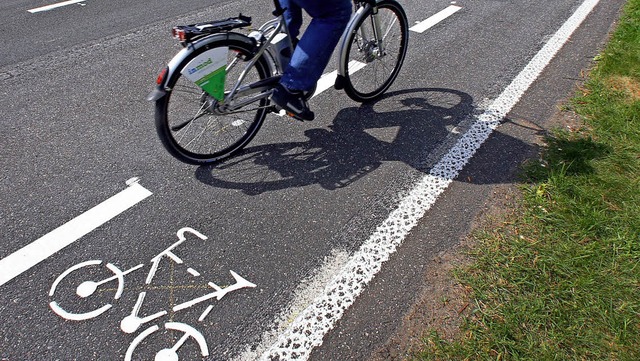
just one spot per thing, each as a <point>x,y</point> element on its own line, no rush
<point>208,71</point>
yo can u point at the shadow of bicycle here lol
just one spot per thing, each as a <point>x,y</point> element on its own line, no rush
<point>404,126</point>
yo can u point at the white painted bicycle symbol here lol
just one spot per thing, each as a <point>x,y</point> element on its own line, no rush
<point>134,321</point>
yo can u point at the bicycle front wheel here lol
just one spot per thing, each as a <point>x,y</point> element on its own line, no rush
<point>375,51</point>
<point>195,127</point>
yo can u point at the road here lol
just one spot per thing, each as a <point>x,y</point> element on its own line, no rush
<point>313,242</point>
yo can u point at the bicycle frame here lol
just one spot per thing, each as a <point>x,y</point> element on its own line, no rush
<point>271,28</point>
<point>275,26</point>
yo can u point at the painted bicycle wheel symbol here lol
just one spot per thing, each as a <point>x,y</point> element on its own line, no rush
<point>170,354</point>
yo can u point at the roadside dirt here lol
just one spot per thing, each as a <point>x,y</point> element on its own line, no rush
<point>444,303</point>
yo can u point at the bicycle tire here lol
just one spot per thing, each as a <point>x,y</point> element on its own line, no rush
<point>368,74</point>
<point>209,136</point>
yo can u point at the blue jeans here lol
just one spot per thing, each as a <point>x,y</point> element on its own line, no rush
<point>313,52</point>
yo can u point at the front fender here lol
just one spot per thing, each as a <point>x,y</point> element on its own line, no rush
<point>342,64</point>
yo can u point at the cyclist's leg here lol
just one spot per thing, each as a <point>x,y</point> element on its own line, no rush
<point>312,54</point>
<point>293,17</point>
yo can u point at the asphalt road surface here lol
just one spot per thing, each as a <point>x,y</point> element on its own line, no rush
<point>313,242</point>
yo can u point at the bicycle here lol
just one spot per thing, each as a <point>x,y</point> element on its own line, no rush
<point>213,96</point>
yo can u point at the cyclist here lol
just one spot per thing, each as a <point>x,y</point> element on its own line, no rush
<point>312,52</point>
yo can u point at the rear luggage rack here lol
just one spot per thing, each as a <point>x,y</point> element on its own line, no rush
<point>187,33</point>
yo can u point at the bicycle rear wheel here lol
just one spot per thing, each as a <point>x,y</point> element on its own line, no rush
<point>371,66</point>
<point>193,126</point>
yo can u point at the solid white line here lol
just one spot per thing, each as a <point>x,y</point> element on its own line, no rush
<point>435,19</point>
<point>54,6</point>
<point>308,329</point>
<point>30,255</point>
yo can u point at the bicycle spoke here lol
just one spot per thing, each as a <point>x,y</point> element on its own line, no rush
<point>199,135</point>
<point>187,122</point>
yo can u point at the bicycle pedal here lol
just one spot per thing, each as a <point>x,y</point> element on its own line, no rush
<point>282,113</point>
<point>278,111</point>
<point>275,109</point>
<point>293,116</point>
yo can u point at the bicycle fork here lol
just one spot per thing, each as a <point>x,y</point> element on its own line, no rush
<point>361,11</point>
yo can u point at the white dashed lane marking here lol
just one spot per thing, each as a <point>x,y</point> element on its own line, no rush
<point>55,6</point>
<point>422,26</point>
<point>52,242</point>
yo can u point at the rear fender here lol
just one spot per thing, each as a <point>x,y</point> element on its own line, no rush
<point>171,71</point>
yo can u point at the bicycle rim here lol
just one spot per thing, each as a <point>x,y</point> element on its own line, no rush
<point>190,124</point>
<point>371,70</point>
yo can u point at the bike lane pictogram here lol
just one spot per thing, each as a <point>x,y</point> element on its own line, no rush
<point>79,280</point>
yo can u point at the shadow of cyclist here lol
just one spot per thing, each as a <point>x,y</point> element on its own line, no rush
<point>404,126</point>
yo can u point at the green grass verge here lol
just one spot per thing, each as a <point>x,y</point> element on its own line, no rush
<point>560,278</point>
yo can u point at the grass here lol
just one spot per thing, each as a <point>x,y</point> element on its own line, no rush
<point>560,278</point>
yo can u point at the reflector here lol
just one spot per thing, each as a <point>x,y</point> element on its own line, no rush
<point>178,34</point>
<point>161,76</point>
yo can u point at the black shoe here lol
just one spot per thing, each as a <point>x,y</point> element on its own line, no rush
<point>293,102</point>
